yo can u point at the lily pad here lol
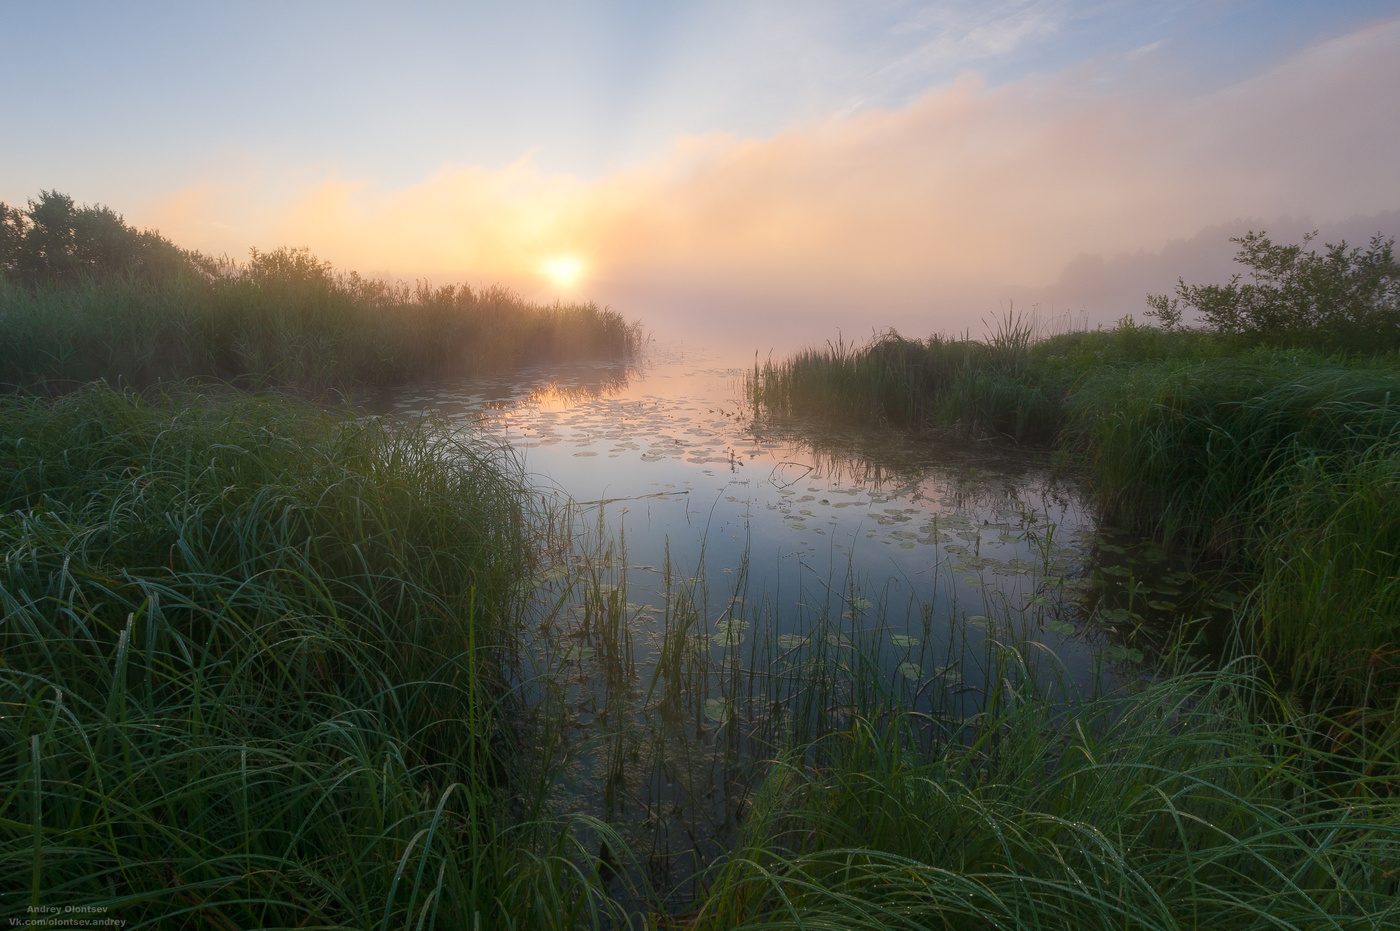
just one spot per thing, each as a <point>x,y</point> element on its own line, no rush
<point>1063,628</point>
<point>717,710</point>
<point>982,621</point>
<point>911,671</point>
<point>730,632</point>
<point>901,640</point>
<point>574,654</point>
<point>792,641</point>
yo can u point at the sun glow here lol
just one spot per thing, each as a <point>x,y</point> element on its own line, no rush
<point>564,269</point>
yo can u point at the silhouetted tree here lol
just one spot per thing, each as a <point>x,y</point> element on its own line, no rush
<point>1340,298</point>
<point>56,241</point>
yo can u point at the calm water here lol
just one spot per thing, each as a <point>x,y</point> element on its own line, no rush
<point>758,547</point>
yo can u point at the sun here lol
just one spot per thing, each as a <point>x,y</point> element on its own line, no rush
<point>563,269</point>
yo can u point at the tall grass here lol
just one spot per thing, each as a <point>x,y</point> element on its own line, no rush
<point>1285,460</point>
<point>1279,461</point>
<point>1198,801</point>
<point>255,667</point>
<point>1014,383</point>
<point>284,319</point>
<point>907,382</point>
<point>1198,798</point>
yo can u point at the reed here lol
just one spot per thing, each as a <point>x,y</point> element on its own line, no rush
<point>284,319</point>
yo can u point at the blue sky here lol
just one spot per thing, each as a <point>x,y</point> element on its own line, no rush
<point>153,91</point>
<point>223,123</point>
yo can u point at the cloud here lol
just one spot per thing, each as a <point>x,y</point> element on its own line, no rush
<point>966,197</point>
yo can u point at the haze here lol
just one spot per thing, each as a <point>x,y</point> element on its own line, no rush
<point>755,175</point>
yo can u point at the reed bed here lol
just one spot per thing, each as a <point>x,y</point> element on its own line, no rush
<point>286,320</point>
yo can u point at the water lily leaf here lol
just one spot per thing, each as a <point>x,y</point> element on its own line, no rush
<point>900,640</point>
<point>982,621</point>
<point>911,671</point>
<point>1063,628</point>
<point>792,641</point>
<point>730,632</point>
<point>573,654</point>
<point>1162,605</point>
<point>717,710</point>
<point>860,604</point>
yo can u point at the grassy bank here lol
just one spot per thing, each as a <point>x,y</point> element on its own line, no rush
<point>253,669</point>
<point>1196,802</point>
<point>1281,460</point>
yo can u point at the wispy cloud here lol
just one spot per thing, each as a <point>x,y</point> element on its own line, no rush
<point>966,191</point>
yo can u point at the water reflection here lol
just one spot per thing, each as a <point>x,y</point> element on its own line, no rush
<point>734,580</point>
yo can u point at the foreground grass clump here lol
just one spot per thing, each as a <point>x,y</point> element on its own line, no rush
<point>1199,802</point>
<point>252,666</point>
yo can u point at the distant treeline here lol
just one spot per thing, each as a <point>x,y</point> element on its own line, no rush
<point>84,296</point>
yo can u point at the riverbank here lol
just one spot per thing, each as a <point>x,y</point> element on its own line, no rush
<point>1280,461</point>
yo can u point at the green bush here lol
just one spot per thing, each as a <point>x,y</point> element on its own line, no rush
<point>1343,299</point>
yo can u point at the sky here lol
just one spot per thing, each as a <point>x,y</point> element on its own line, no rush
<point>763,174</point>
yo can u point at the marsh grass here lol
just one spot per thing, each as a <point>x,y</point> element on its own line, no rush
<point>1175,806</point>
<point>255,669</point>
<point>820,790</point>
<point>269,667</point>
<point>1277,464</point>
<point>284,319</point>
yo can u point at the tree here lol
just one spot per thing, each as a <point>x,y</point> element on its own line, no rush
<point>54,241</point>
<point>1342,298</point>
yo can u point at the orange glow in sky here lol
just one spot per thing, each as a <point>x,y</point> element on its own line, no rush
<point>863,165</point>
<point>564,270</point>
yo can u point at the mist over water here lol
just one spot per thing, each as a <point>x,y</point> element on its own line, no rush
<point>792,520</point>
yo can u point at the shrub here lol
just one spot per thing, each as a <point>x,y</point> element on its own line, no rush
<point>1346,299</point>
